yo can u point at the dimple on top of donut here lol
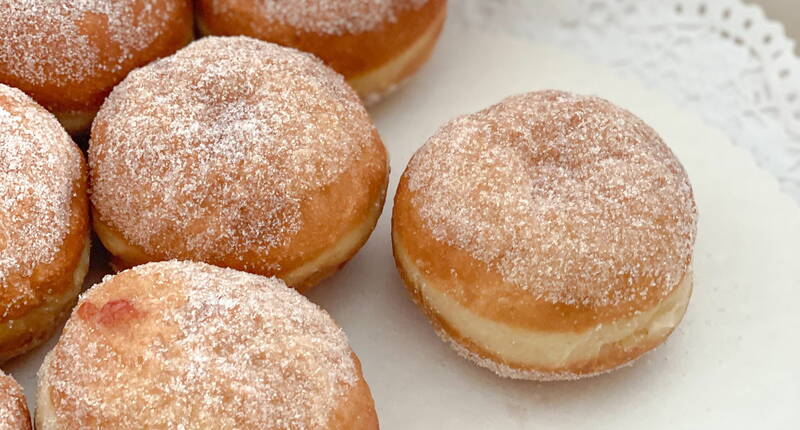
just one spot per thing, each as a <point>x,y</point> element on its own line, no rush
<point>326,16</point>
<point>188,345</point>
<point>39,165</point>
<point>56,41</point>
<point>218,144</point>
<point>569,197</point>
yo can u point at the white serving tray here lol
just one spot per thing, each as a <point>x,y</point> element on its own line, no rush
<point>733,362</point>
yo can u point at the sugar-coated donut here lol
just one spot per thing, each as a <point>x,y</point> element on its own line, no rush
<point>14,413</point>
<point>547,237</point>
<point>182,345</point>
<point>44,223</point>
<point>69,54</point>
<point>238,153</point>
<point>375,44</point>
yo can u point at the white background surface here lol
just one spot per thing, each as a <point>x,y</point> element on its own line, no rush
<point>731,364</point>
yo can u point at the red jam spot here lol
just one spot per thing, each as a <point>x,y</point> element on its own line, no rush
<point>111,314</point>
<point>115,312</point>
<point>87,311</point>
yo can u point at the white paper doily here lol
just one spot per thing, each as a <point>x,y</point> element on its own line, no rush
<point>722,59</point>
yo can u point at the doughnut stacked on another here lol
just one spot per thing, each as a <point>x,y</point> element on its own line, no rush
<point>44,223</point>
<point>180,345</point>
<point>239,153</point>
<point>69,54</point>
<point>14,413</point>
<point>547,237</point>
<point>375,44</point>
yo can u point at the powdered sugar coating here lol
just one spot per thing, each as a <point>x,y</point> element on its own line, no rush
<point>568,197</point>
<point>45,41</point>
<point>13,410</point>
<point>198,347</point>
<point>39,165</point>
<point>216,146</point>
<point>334,17</point>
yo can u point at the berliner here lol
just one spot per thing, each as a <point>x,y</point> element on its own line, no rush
<point>241,154</point>
<point>547,237</point>
<point>69,54</point>
<point>44,223</point>
<point>375,44</point>
<point>14,413</point>
<point>183,345</point>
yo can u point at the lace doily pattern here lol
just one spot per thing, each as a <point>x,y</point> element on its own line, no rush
<point>723,59</point>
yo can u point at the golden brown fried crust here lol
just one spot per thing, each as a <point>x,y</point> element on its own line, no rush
<point>62,97</point>
<point>352,55</point>
<point>55,277</point>
<point>454,271</point>
<point>327,215</point>
<point>49,282</point>
<point>609,357</point>
<point>356,410</point>
<point>373,85</point>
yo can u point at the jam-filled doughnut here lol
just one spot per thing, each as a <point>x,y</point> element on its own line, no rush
<point>547,237</point>
<point>182,345</point>
<point>14,413</point>
<point>238,153</point>
<point>44,223</point>
<point>375,44</point>
<point>68,54</point>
